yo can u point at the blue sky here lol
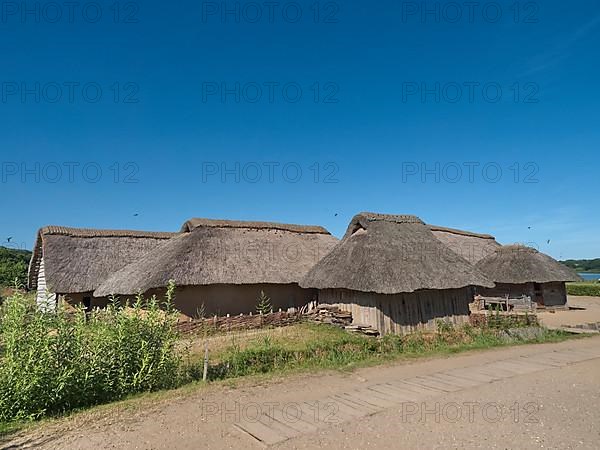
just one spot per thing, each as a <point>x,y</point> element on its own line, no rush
<point>145,114</point>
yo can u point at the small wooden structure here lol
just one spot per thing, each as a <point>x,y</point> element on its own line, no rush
<point>392,274</point>
<point>506,303</point>
<point>523,271</point>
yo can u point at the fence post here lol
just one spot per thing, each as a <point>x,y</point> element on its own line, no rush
<point>205,370</point>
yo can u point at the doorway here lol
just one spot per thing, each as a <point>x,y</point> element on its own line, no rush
<point>538,294</point>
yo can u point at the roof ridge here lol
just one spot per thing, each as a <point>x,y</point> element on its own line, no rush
<point>98,232</point>
<point>395,218</point>
<point>197,222</point>
<point>460,232</point>
<point>518,247</point>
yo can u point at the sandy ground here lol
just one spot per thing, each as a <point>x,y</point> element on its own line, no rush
<point>589,313</point>
<point>555,408</point>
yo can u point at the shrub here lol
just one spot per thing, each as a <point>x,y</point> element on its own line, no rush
<point>590,288</point>
<point>444,326</point>
<point>56,362</point>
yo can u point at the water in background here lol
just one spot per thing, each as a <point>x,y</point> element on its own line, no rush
<point>590,276</point>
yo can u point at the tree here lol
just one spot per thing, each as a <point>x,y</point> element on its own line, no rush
<point>264,304</point>
<point>13,266</point>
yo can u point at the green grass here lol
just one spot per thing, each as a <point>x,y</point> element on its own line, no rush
<point>7,429</point>
<point>326,347</point>
<point>589,288</point>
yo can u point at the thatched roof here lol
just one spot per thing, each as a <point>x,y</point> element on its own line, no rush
<point>225,252</point>
<point>517,264</point>
<point>78,259</point>
<point>390,254</point>
<point>471,246</point>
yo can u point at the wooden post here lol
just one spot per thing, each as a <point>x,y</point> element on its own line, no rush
<point>205,371</point>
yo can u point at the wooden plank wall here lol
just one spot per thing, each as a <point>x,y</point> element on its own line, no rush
<point>402,313</point>
<point>555,294</point>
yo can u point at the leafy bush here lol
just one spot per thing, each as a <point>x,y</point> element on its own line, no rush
<point>589,288</point>
<point>56,362</point>
<point>13,266</point>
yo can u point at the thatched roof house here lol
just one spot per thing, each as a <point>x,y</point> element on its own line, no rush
<point>471,246</point>
<point>222,265</point>
<point>392,273</point>
<point>74,261</point>
<point>518,270</point>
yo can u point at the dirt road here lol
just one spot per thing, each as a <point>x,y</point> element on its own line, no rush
<point>535,396</point>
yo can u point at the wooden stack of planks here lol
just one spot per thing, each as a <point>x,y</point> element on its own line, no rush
<point>331,315</point>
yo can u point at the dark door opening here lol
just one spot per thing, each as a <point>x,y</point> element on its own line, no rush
<point>538,294</point>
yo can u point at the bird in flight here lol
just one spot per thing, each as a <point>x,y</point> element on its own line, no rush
<point>135,215</point>
<point>8,239</point>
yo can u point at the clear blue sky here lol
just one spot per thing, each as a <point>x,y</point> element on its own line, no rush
<point>371,116</point>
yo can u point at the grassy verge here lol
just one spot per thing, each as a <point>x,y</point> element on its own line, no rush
<point>313,346</point>
<point>589,288</point>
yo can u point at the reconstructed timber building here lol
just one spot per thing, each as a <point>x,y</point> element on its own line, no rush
<point>70,263</point>
<point>221,266</point>
<point>218,266</point>
<point>518,270</point>
<point>393,274</point>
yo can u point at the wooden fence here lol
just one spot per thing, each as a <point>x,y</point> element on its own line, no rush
<point>503,320</point>
<point>241,322</point>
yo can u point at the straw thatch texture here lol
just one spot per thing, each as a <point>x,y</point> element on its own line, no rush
<point>220,252</point>
<point>78,259</point>
<point>391,254</point>
<point>471,246</point>
<point>516,264</point>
